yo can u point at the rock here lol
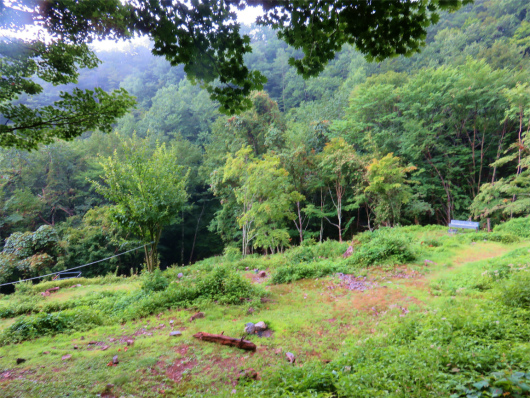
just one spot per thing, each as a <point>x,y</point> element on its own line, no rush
<point>180,275</point>
<point>92,342</point>
<point>130,342</point>
<point>247,268</point>
<point>115,360</point>
<point>256,270</point>
<point>46,352</point>
<point>262,274</point>
<point>82,338</point>
<point>250,310</point>
<point>290,357</point>
<point>427,262</point>
<point>75,347</point>
<point>112,339</point>
<point>175,333</point>
<point>250,328</point>
<point>105,348</point>
<point>20,360</point>
<point>260,326</point>
<point>171,322</point>
<point>348,252</point>
<point>249,374</point>
<point>71,287</point>
<point>197,316</point>
<point>66,357</point>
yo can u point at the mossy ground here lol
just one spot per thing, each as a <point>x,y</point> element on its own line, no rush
<point>313,319</point>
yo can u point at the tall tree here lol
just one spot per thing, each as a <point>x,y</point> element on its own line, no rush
<point>148,188</point>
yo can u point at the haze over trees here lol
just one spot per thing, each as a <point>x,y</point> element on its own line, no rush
<point>267,158</point>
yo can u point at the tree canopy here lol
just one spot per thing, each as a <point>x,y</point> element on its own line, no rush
<point>204,36</point>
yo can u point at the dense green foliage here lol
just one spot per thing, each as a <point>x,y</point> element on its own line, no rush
<point>423,139</point>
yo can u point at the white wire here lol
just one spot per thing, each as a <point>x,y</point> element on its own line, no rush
<point>81,266</point>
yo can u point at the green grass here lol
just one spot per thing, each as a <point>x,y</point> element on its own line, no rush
<point>396,339</point>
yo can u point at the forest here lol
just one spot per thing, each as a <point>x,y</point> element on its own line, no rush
<point>416,140</point>
<point>265,209</point>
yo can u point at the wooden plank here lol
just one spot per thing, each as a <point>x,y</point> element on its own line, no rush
<point>225,340</point>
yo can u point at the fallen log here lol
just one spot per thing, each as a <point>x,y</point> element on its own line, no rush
<point>225,340</point>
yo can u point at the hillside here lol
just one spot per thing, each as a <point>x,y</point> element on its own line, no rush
<point>414,312</point>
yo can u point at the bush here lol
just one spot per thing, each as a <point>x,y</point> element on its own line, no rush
<point>516,226</point>
<point>226,287</point>
<point>294,272</point>
<point>316,252</point>
<point>491,237</point>
<point>27,327</point>
<point>154,281</point>
<point>516,291</point>
<point>381,247</point>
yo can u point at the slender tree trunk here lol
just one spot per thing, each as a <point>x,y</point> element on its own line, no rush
<point>196,232</point>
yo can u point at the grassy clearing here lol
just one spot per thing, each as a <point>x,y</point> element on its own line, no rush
<point>403,337</point>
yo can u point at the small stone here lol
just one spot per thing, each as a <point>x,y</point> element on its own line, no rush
<point>20,360</point>
<point>250,328</point>
<point>290,357</point>
<point>75,347</point>
<point>247,268</point>
<point>115,360</point>
<point>66,357</point>
<point>197,316</point>
<point>46,352</point>
<point>105,348</point>
<point>130,342</point>
<point>112,340</point>
<point>256,270</point>
<point>175,333</point>
<point>250,310</point>
<point>92,342</point>
<point>82,338</point>
<point>180,275</point>
<point>260,326</point>
<point>278,351</point>
<point>171,322</point>
<point>262,274</point>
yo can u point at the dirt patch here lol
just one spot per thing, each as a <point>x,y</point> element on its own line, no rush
<point>178,371</point>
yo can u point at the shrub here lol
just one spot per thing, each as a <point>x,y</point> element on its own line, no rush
<point>294,272</point>
<point>516,291</point>
<point>27,327</point>
<point>382,247</point>
<point>316,252</point>
<point>491,237</point>
<point>226,287</point>
<point>516,226</point>
<point>154,281</point>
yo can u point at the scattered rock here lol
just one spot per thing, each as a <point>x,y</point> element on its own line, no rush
<point>352,282</point>
<point>262,274</point>
<point>290,357</point>
<point>115,360</point>
<point>427,262</point>
<point>105,348</point>
<point>66,357</point>
<point>175,333</point>
<point>348,252</point>
<point>130,342</point>
<point>180,275</point>
<point>197,316</point>
<point>75,347</point>
<point>249,374</point>
<point>260,326</point>
<point>20,360</point>
<point>250,328</point>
